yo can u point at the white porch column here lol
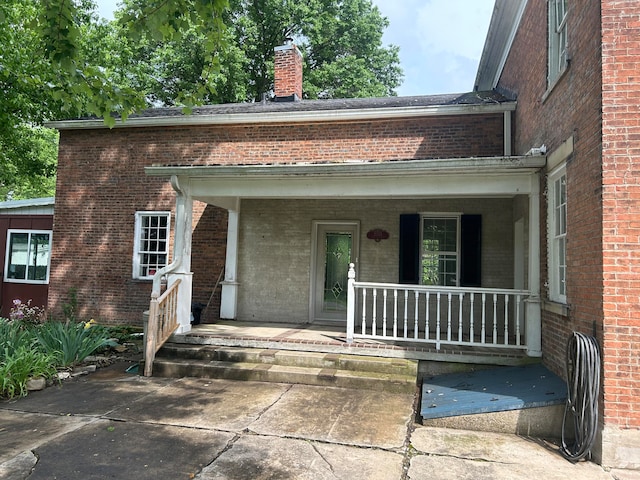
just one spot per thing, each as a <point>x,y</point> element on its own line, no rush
<point>229,295</point>
<point>182,254</point>
<point>534,322</point>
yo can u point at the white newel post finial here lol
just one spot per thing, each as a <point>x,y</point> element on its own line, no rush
<point>351,302</point>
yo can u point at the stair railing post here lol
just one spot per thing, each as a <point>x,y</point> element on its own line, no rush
<point>351,302</point>
<point>152,334</point>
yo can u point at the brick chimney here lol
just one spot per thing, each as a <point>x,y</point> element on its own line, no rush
<point>288,73</point>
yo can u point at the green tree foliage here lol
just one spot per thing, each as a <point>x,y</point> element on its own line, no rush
<point>47,72</point>
<point>57,60</point>
<point>341,41</point>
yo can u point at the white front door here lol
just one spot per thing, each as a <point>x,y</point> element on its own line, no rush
<point>335,247</point>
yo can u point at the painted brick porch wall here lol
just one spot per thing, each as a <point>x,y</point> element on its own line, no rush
<point>101,184</point>
<point>281,245</point>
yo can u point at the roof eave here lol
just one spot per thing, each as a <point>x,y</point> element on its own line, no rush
<point>471,165</point>
<point>500,36</point>
<point>290,116</point>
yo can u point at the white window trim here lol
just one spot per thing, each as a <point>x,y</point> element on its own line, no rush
<point>456,216</point>
<point>136,241</point>
<point>7,256</point>
<point>553,265</point>
<point>558,56</point>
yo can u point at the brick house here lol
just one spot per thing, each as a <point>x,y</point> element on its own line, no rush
<point>25,247</point>
<point>520,194</point>
<point>575,78</point>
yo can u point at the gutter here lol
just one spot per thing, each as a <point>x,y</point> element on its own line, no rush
<point>289,116</point>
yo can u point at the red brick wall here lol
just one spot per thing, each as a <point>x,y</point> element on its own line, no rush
<point>603,190</point>
<point>208,247</point>
<point>549,117</point>
<point>101,184</point>
<point>460,136</point>
<point>621,210</point>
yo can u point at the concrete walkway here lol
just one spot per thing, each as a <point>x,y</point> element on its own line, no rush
<point>111,424</point>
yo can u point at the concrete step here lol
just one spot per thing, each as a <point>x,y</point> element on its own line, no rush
<point>397,366</point>
<point>309,368</point>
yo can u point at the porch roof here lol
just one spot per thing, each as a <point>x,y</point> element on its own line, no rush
<point>467,177</point>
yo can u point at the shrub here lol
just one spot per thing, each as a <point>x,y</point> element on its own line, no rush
<point>21,364</point>
<point>13,335</point>
<point>70,343</point>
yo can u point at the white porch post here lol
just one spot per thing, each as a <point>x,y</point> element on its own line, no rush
<point>182,253</point>
<point>351,302</point>
<point>534,322</point>
<point>229,295</point>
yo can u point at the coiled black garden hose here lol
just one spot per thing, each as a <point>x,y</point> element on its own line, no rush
<point>583,384</point>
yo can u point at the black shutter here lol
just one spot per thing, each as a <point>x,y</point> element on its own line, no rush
<point>409,249</point>
<point>470,250</point>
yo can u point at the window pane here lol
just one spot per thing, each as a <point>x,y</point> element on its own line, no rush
<point>439,251</point>
<point>38,256</point>
<point>18,253</point>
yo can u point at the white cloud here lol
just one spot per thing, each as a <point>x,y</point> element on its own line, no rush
<point>440,42</point>
<point>457,27</point>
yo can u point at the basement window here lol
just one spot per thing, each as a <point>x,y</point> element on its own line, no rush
<point>151,247</point>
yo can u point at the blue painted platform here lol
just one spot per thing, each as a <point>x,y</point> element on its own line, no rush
<point>493,390</point>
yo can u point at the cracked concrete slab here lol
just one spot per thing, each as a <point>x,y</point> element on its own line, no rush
<point>339,415</point>
<point>19,467</point>
<point>260,458</point>
<point>21,431</point>
<point>446,453</point>
<point>90,395</point>
<point>205,403</point>
<point>108,449</point>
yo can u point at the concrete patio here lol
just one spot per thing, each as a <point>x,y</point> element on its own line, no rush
<point>111,424</point>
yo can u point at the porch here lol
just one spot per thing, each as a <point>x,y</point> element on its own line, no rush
<point>277,260</point>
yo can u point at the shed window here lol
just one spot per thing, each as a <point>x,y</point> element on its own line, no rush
<point>27,257</point>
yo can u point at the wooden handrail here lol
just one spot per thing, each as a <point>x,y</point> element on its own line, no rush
<point>162,323</point>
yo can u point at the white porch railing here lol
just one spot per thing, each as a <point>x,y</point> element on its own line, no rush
<point>481,317</point>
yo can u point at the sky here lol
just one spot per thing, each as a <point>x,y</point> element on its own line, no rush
<point>440,41</point>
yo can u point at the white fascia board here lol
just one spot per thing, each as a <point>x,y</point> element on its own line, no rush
<point>505,21</point>
<point>290,116</point>
<point>482,177</point>
<point>468,165</point>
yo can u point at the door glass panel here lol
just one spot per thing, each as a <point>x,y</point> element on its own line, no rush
<point>337,259</point>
